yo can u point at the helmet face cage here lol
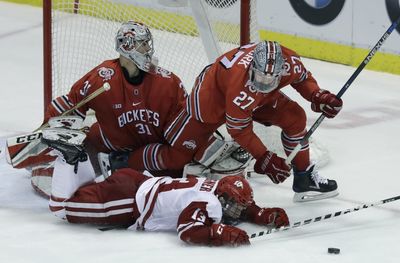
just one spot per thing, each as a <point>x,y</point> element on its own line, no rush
<point>135,42</point>
<point>267,66</point>
<point>235,195</point>
<point>230,208</point>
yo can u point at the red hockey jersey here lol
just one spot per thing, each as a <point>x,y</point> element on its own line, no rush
<point>224,94</point>
<point>129,115</point>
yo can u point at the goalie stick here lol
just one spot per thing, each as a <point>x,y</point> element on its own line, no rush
<point>21,147</point>
<point>325,217</point>
<point>344,88</point>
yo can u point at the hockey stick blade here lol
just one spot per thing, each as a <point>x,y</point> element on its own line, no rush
<point>325,217</point>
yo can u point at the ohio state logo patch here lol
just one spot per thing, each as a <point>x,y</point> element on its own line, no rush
<point>190,144</point>
<point>106,73</point>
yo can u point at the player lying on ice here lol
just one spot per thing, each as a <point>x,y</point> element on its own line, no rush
<point>199,209</point>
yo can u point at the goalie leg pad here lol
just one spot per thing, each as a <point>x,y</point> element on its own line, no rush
<point>221,157</point>
<point>41,178</point>
<point>66,181</point>
<point>228,166</point>
<point>235,164</point>
<point>216,150</point>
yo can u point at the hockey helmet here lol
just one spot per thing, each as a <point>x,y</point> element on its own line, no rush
<point>135,42</point>
<point>267,66</point>
<point>235,195</point>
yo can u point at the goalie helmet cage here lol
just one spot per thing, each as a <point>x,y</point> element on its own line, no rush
<point>187,34</point>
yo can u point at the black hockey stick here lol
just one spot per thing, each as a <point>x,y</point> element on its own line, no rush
<point>344,88</point>
<point>321,218</point>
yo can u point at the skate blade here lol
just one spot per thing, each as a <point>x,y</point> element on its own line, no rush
<point>313,196</point>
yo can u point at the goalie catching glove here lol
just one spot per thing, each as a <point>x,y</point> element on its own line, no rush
<point>326,102</point>
<point>69,143</point>
<point>273,166</point>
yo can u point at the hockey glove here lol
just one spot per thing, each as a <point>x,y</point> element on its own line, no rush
<point>69,143</point>
<point>72,154</point>
<point>326,102</point>
<point>221,235</point>
<point>273,166</point>
<point>272,217</point>
<point>118,160</point>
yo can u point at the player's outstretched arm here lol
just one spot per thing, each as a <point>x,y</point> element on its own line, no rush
<point>196,227</point>
<point>274,217</point>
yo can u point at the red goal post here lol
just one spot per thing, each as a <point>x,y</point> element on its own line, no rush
<point>188,34</point>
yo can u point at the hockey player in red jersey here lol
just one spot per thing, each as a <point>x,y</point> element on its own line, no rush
<point>199,209</point>
<point>134,112</point>
<point>242,86</point>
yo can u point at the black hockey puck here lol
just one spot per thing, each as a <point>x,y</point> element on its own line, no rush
<point>333,250</point>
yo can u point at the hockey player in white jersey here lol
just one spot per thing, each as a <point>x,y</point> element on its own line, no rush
<point>199,209</point>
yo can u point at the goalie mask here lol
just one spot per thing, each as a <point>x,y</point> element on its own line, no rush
<point>266,68</point>
<point>134,41</point>
<point>235,195</point>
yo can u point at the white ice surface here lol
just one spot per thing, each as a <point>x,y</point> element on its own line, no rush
<point>364,152</point>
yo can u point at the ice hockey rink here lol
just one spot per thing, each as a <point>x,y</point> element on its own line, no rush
<point>363,149</point>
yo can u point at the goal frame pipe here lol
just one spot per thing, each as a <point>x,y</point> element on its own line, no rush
<point>244,22</point>
<point>48,51</point>
<point>47,55</point>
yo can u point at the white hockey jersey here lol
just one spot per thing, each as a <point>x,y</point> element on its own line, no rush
<point>161,202</point>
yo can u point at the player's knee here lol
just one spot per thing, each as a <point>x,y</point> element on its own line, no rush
<point>127,176</point>
<point>179,162</point>
<point>296,123</point>
<point>176,159</point>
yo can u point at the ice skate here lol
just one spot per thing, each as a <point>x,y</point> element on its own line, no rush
<point>309,186</point>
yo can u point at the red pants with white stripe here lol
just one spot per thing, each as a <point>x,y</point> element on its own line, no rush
<point>111,202</point>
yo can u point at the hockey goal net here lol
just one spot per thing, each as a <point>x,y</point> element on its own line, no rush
<point>187,34</point>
